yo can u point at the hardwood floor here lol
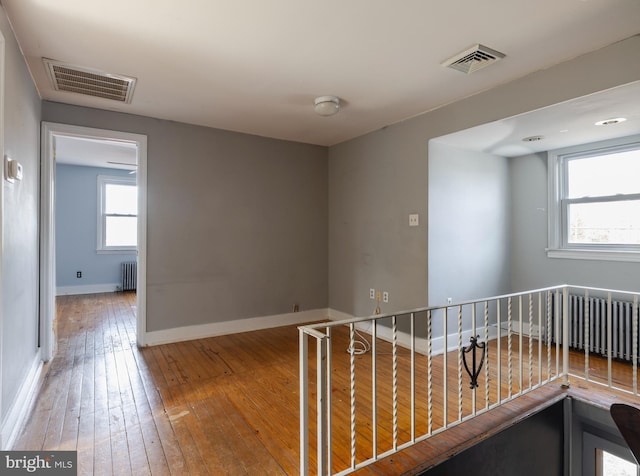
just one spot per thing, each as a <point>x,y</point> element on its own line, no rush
<point>226,405</point>
<point>229,404</point>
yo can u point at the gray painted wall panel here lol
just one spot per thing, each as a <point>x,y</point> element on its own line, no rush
<point>237,224</point>
<point>76,228</point>
<point>374,185</point>
<point>20,223</point>
<point>469,224</point>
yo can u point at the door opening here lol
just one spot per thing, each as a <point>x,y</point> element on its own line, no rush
<point>115,222</point>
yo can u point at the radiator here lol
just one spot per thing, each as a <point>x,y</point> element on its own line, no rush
<point>129,276</point>
<point>621,324</point>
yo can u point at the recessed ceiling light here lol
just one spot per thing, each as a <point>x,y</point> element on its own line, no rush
<point>564,130</point>
<point>608,122</point>
<point>532,138</point>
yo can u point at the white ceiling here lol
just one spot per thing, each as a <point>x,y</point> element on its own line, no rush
<point>95,152</point>
<point>256,66</point>
<point>562,125</point>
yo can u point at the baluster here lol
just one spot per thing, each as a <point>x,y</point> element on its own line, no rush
<point>429,377</point>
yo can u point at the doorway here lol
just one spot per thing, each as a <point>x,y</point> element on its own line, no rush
<point>53,134</point>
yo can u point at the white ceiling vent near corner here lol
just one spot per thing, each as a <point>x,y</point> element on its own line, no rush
<point>91,82</point>
<point>473,59</point>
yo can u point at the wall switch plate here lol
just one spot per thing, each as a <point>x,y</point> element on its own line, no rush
<point>78,274</point>
<point>414,219</point>
<point>12,169</point>
<point>449,300</point>
<point>385,296</point>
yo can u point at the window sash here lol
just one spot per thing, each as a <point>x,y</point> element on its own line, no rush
<point>566,222</point>
<point>558,207</point>
<point>103,181</point>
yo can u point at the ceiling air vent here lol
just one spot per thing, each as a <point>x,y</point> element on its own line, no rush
<point>473,59</point>
<point>77,79</point>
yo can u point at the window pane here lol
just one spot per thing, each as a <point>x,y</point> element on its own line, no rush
<point>615,466</point>
<point>121,231</point>
<point>121,199</point>
<point>607,222</point>
<point>604,175</point>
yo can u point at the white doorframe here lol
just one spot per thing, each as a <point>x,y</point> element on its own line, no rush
<point>2,47</point>
<point>47,222</point>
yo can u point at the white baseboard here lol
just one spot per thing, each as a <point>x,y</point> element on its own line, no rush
<point>404,339</point>
<point>23,402</point>
<point>515,328</point>
<point>87,289</point>
<point>178,334</point>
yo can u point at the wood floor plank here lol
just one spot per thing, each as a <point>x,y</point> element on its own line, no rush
<point>189,446</point>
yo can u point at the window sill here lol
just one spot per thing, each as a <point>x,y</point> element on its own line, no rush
<point>117,252</point>
<point>596,255</point>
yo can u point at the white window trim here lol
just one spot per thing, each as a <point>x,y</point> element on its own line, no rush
<point>557,248</point>
<point>101,248</point>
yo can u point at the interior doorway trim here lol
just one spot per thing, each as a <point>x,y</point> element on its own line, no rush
<point>47,222</point>
<point>2,69</point>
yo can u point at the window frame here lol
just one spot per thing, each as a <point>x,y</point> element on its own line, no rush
<point>103,180</point>
<point>558,205</point>
<point>592,442</point>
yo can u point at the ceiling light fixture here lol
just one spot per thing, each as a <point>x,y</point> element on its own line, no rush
<point>532,138</point>
<point>608,122</point>
<point>326,105</point>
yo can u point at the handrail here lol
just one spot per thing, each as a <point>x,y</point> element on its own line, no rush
<point>429,382</point>
<point>342,322</point>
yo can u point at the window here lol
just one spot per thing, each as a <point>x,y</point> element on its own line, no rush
<point>601,456</point>
<point>117,214</point>
<point>594,203</point>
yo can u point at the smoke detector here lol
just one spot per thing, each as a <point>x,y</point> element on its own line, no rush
<point>473,59</point>
<point>91,82</point>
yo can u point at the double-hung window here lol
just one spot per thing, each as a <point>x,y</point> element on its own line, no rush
<point>594,203</point>
<point>117,214</point>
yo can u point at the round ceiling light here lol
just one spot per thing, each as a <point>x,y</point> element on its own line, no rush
<point>608,122</point>
<point>326,105</point>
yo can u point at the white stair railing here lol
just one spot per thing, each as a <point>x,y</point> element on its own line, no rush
<point>404,385</point>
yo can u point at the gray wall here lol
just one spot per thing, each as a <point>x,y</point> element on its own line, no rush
<point>469,224</point>
<point>530,267</point>
<point>19,319</point>
<point>374,184</point>
<point>532,447</point>
<point>236,225</point>
<point>376,180</point>
<point>77,228</point>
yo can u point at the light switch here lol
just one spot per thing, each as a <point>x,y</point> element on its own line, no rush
<point>13,169</point>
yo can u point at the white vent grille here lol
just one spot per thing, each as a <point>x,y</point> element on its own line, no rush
<point>473,59</point>
<point>77,79</point>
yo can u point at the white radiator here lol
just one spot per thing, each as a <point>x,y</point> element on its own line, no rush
<point>595,309</point>
<point>129,276</point>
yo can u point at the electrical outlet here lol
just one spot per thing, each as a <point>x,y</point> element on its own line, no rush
<point>372,293</point>
<point>78,274</point>
<point>385,296</point>
<point>414,219</point>
<point>378,296</point>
